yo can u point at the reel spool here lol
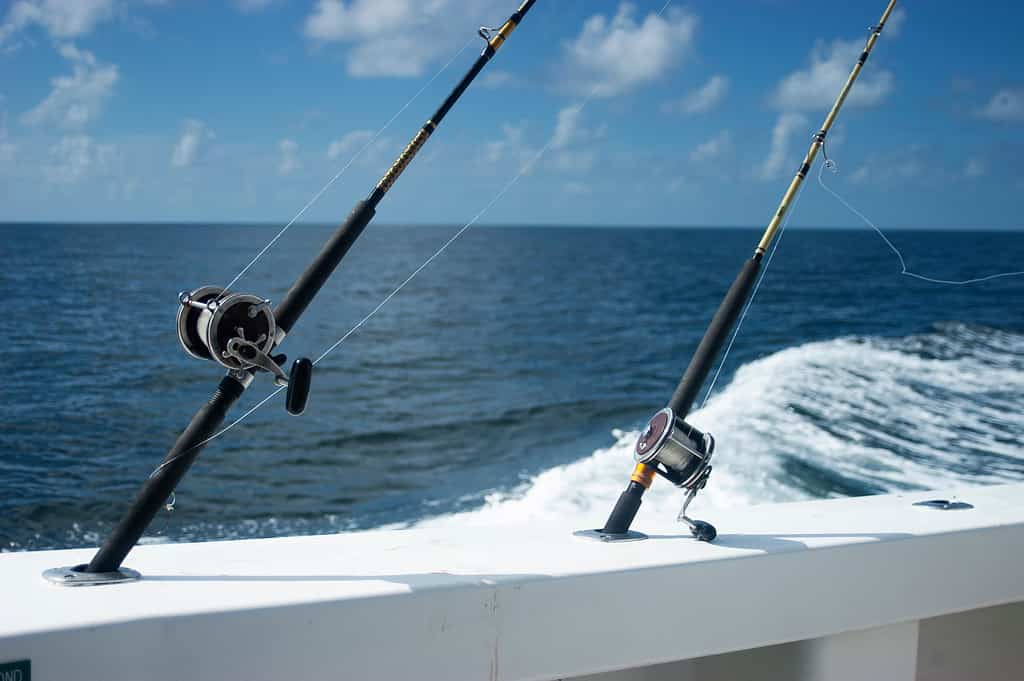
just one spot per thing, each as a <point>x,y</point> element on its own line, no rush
<point>682,455</point>
<point>210,318</point>
<point>239,331</point>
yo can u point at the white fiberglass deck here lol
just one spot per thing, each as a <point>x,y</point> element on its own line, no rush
<point>527,603</point>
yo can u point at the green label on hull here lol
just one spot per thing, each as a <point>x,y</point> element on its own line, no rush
<point>16,671</point>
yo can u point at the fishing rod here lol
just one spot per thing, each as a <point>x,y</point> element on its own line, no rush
<point>241,331</point>
<point>671,447</point>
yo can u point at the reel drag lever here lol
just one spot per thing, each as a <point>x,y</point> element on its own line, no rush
<point>239,331</point>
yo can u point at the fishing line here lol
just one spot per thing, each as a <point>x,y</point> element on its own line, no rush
<point>524,169</point>
<point>508,186</point>
<point>337,176</point>
<point>753,295</point>
<point>398,289</point>
<point>903,263</point>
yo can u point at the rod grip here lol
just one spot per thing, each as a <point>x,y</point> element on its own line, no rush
<point>162,483</point>
<point>309,283</point>
<point>714,338</point>
<point>625,510</point>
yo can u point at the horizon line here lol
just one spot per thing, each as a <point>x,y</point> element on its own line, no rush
<point>488,225</point>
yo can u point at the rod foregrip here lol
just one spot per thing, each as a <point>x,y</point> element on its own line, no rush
<point>714,338</point>
<point>162,483</point>
<point>309,283</point>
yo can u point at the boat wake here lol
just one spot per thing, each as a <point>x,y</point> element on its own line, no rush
<point>843,417</point>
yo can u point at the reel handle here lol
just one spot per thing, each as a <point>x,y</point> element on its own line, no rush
<point>299,379</point>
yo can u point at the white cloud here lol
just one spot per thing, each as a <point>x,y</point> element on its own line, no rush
<point>703,99</point>
<point>897,19</point>
<point>816,87</point>
<point>713,148</point>
<point>79,98</point>
<point>511,145</point>
<point>349,144</point>
<point>975,168</point>
<point>782,136</point>
<point>860,175</point>
<point>194,134</point>
<point>361,143</point>
<point>62,19</point>
<point>570,142</point>
<point>289,157</point>
<point>1006,106</point>
<point>613,56</point>
<point>566,127</point>
<point>386,37</point>
<point>74,157</point>
<point>497,79</point>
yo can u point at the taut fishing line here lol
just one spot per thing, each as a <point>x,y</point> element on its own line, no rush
<point>753,295</point>
<point>903,263</point>
<point>337,176</point>
<point>398,289</point>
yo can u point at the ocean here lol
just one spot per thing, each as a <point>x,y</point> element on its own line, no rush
<point>506,383</point>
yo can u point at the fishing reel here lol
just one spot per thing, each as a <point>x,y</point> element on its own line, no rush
<point>239,331</point>
<point>681,454</point>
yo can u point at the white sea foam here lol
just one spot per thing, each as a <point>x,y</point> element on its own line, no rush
<point>915,413</point>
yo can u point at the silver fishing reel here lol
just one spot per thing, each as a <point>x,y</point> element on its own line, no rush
<point>681,454</point>
<point>239,331</point>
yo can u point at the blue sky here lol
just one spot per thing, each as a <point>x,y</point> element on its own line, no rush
<point>240,111</point>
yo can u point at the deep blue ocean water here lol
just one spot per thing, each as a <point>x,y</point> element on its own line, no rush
<point>505,383</point>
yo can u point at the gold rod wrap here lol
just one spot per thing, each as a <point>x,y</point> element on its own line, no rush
<point>506,30</point>
<point>819,139</point>
<point>402,162</point>
<point>643,475</point>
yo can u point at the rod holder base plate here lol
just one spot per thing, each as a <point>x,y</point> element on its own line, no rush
<point>608,537</point>
<point>77,576</point>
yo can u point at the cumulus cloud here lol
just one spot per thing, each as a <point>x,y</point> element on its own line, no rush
<point>787,125</point>
<point>289,157</point>
<point>897,19</point>
<point>570,142</point>
<point>815,87</point>
<point>194,135</point>
<point>613,56</point>
<point>512,145</point>
<point>713,148</point>
<point>76,156</point>
<point>566,127</point>
<point>350,143</point>
<point>62,19</point>
<point>1006,106</point>
<point>385,37</point>
<point>361,143</point>
<point>703,99</point>
<point>78,98</point>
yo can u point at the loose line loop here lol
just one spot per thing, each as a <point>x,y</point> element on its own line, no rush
<point>903,263</point>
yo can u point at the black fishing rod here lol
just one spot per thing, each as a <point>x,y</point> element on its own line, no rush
<point>241,331</point>
<point>671,447</point>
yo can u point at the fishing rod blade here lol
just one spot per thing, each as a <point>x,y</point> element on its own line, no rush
<point>241,332</point>
<point>671,447</point>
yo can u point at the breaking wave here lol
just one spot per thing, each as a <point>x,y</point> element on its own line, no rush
<point>848,416</point>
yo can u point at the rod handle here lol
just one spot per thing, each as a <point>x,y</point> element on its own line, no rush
<point>625,510</point>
